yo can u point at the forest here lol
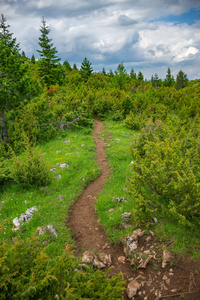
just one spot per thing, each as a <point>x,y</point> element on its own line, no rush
<point>44,100</point>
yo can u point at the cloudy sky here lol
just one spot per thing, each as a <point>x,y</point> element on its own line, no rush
<point>148,35</point>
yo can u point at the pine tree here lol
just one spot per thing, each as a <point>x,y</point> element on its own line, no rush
<point>86,69</point>
<point>156,82</point>
<point>12,70</point>
<point>75,67</point>
<point>132,74</point>
<point>140,76</point>
<point>47,64</point>
<point>103,71</point>
<point>67,66</point>
<point>33,59</point>
<point>121,76</point>
<point>181,80</point>
<point>169,80</point>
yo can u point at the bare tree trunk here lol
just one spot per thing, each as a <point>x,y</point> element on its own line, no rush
<point>3,123</point>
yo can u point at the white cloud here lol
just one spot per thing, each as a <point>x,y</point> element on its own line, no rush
<point>111,31</point>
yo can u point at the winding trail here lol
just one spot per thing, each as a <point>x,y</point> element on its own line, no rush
<point>86,231</point>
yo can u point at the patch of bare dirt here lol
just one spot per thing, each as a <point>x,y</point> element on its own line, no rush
<point>179,279</point>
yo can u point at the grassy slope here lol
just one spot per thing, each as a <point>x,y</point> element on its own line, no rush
<point>82,165</point>
<point>82,169</point>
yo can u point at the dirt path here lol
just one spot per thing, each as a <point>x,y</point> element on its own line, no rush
<point>179,280</point>
<point>85,228</point>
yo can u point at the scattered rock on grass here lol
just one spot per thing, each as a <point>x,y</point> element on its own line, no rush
<point>43,230</point>
<point>58,176</point>
<point>24,217</point>
<point>126,215</point>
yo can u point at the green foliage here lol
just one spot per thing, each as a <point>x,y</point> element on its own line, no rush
<point>181,80</point>
<point>78,119</point>
<point>30,170</point>
<point>165,175</point>
<point>28,273</point>
<point>169,80</point>
<point>86,69</point>
<point>137,121</point>
<point>140,76</point>
<point>121,77</point>
<point>4,171</point>
<point>47,65</point>
<point>12,70</point>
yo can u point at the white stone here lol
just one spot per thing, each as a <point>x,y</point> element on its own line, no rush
<point>88,257</point>
<point>106,259</point>
<point>16,223</point>
<point>132,288</point>
<point>52,230</point>
<point>63,165</point>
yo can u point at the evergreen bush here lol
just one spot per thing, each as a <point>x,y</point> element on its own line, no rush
<point>30,169</point>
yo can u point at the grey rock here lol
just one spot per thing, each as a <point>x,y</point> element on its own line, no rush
<point>166,258</point>
<point>83,145</point>
<point>98,264</point>
<point>16,223</point>
<point>67,142</point>
<point>106,259</point>
<point>121,199</point>
<point>132,288</point>
<point>63,165</point>
<point>126,215</point>
<point>58,176</point>
<point>43,230</point>
<point>52,169</point>
<point>88,257</point>
<point>31,210</point>
<point>60,198</point>
<point>58,151</point>
<point>52,230</point>
<point>24,218</point>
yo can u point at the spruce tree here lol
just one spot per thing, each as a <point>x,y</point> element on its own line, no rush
<point>75,67</point>
<point>67,66</point>
<point>103,71</point>
<point>140,76</point>
<point>181,80</point>
<point>12,70</point>
<point>132,74</point>
<point>47,64</point>
<point>33,59</point>
<point>86,69</point>
<point>169,80</point>
<point>121,77</point>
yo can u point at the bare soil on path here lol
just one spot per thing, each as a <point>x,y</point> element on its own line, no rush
<point>86,231</point>
<point>181,278</point>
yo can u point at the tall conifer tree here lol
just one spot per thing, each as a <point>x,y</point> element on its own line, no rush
<point>12,70</point>
<point>48,62</point>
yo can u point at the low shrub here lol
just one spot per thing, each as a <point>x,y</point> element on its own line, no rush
<point>28,273</point>
<point>165,176</point>
<point>30,169</point>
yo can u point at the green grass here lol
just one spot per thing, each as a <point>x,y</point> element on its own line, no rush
<point>51,211</point>
<point>119,139</point>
